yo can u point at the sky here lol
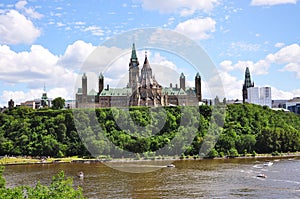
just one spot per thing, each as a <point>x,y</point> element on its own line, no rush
<point>46,43</point>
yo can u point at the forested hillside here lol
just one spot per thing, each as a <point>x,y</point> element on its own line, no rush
<point>247,129</point>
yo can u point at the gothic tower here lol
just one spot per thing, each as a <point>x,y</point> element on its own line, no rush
<point>84,88</point>
<point>198,87</point>
<point>146,74</point>
<point>247,84</point>
<point>101,83</point>
<point>133,69</point>
<point>182,81</point>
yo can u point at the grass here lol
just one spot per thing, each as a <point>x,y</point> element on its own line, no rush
<point>17,160</point>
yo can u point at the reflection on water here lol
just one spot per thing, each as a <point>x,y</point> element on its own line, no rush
<point>226,178</point>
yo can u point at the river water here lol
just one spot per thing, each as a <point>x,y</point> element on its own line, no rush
<point>225,178</point>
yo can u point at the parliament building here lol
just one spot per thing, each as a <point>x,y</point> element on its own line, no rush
<point>142,90</point>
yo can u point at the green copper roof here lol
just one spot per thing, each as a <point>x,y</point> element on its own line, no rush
<point>93,92</point>
<point>116,92</point>
<point>247,82</point>
<point>182,75</point>
<point>133,52</point>
<point>173,91</point>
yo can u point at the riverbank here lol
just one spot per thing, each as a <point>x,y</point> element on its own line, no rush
<point>74,159</point>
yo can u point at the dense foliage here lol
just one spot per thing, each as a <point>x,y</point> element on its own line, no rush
<point>59,188</point>
<point>247,129</point>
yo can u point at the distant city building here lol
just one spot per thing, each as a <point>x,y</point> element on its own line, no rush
<point>30,104</point>
<point>142,90</point>
<point>247,84</point>
<point>293,105</point>
<point>70,104</point>
<point>279,103</point>
<point>260,96</point>
<point>42,102</point>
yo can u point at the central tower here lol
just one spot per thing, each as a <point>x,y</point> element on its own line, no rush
<point>133,69</point>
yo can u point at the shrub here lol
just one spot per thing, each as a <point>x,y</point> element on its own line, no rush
<point>59,188</point>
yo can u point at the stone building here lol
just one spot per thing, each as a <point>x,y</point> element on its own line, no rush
<point>247,84</point>
<point>142,90</point>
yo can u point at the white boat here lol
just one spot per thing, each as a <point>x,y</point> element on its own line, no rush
<point>261,175</point>
<point>80,174</point>
<point>171,165</point>
<point>268,164</point>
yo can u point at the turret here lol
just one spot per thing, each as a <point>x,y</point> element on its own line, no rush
<point>182,81</point>
<point>101,83</point>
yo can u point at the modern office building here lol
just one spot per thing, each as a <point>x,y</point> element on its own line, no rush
<point>260,96</point>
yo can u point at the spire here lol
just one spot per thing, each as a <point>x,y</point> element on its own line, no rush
<point>182,75</point>
<point>101,76</point>
<point>146,62</point>
<point>84,76</point>
<point>44,87</point>
<point>133,53</point>
<point>198,75</point>
<point>247,82</point>
<point>146,73</point>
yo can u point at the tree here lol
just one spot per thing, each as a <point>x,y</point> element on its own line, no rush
<point>58,103</point>
<point>60,187</point>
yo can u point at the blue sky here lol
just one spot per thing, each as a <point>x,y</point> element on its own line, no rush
<point>46,42</point>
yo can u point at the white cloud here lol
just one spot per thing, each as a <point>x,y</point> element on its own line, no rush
<point>292,67</point>
<point>288,56</point>
<point>280,94</point>
<point>257,68</point>
<point>21,96</point>
<point>271,2</point>
<point>244,46</point>
<point>30,12</point>
<point>95,30</point>
<point>60,24</point>
<point>15,28</point>
<point>279,45</point>
<point>32,69</point>
<point>158,59</point>
<point>183,7</point>
<point>231,86</point>
<point>198,28</point>
<point>76,54</point>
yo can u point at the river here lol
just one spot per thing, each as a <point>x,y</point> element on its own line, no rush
<point>224,178</point>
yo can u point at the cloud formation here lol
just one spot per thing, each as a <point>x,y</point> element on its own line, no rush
<point>197,28</point>
<point>15,28</point>
<point>287,56</point>
<point>271,2</point>
<point>183,7</point>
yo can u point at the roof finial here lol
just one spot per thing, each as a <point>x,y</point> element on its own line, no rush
<point>44,87</point>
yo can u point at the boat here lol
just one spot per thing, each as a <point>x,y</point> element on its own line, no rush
<point>261,175</point>
<point>171,165</point>
<point>268,164</point>
<point>80,174</point>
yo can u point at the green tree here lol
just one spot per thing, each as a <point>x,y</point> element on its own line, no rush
<point>60,187</point>
<point>58,103</point>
